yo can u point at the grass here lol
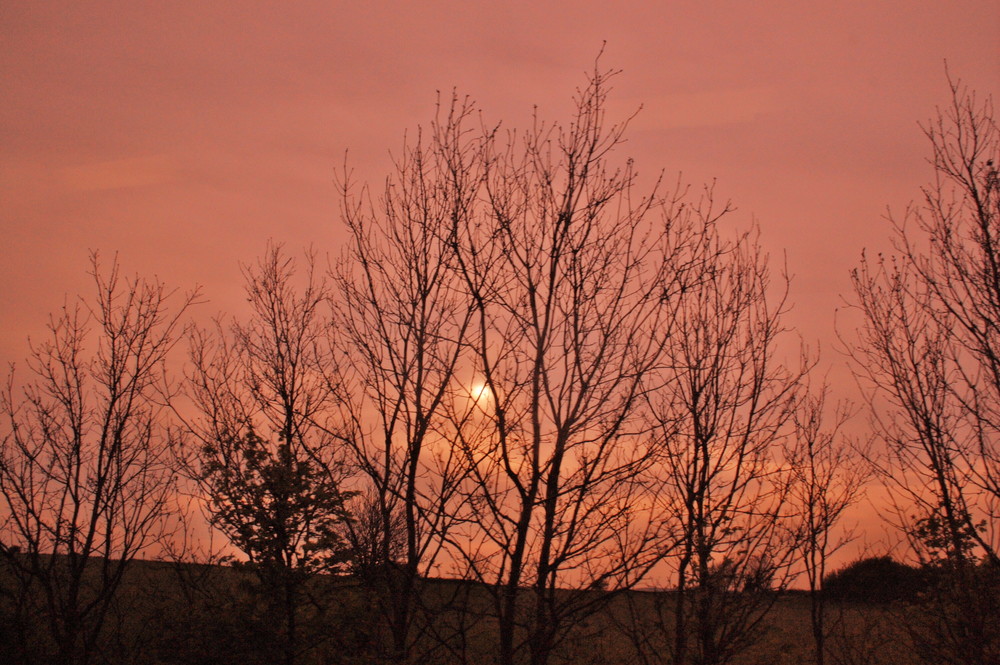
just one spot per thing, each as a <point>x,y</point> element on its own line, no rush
<point>170,613</point>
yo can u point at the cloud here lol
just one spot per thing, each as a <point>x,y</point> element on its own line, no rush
<point>119,173</point>
<point>701,109</point>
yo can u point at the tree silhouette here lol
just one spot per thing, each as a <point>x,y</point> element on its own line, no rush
<point>720,418</point>
<point>85,478</point>
<point>928,352</point>
<point>828,476</point>
<point>402,322</point>
<point>276,496</point>
<point>574,280</point>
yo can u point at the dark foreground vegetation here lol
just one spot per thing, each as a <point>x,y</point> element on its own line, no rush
<point>183,613</point>
<point>535,374</point>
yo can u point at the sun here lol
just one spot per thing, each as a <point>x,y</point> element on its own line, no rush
<point>479,391</point>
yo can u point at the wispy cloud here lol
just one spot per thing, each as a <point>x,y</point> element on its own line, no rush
<point>701,109</point>
<point>119,173</point>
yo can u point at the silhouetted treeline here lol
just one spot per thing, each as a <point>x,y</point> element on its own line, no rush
<point>537,410</point>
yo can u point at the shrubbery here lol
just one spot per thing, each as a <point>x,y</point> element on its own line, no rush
<point>875,580</point>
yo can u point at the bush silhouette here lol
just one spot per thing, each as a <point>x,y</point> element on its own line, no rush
<point>875,580</point>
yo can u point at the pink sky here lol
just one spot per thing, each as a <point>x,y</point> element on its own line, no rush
<point>184,135</point>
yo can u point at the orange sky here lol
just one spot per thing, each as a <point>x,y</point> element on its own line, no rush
<point>185,134</point>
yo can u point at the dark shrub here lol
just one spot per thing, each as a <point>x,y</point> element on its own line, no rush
<point>875,580</point>
<point>957,618</point>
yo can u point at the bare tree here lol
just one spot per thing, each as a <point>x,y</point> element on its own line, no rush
<point>572,278</point>
<point>929,342</point>
<point>516,316</point>
<point>903,354</point>
<point>260,448</point>
<point>721,419</point>
<point>961,268</point>
<point>84,469</point>
<point>402,323</point>
<point>927,353</point>
<point>828,475</point>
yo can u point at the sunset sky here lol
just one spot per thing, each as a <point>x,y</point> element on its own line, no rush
<point>184,135</point>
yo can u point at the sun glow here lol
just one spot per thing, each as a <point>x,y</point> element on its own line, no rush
<point>479,392</point>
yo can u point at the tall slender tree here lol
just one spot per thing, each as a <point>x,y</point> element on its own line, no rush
<point>402,324</point>
<point>85,478</point>
<point>721,419</point>
<point>260,447</point>
<point>572,278</point>
<point>829,473</point>
<point>929,343</point>
<point>928,354</point>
